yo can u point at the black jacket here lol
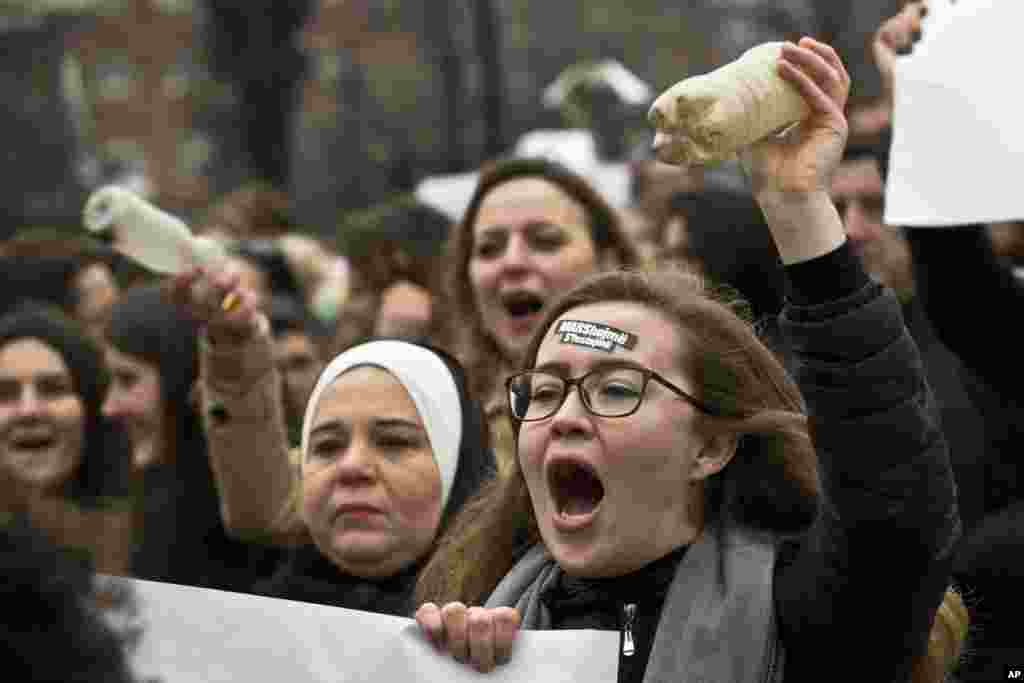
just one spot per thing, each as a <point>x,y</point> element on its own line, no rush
<point>875,564</point>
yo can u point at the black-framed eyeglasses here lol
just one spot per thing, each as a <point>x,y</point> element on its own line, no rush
<point>615,391</point>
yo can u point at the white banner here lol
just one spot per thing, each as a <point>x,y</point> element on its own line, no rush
<point>958,141</point>
<point>196,635</point>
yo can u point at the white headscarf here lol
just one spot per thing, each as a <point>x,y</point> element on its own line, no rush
<point>430,384</point>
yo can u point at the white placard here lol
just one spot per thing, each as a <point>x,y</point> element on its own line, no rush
<point>958,142</point>
<point>197,635</point>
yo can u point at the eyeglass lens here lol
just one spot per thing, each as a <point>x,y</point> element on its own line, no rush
<point>607,393</point>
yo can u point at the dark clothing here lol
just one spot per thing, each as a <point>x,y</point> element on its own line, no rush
<point>308,576</point>
<point>183,539</point>
<point>630,604</point>
<point>965,291</point>
<point>728,236</point>
<point>880,550</point>
<point>965,410</point>
<point>880,553</point>
<point>961,288</point>
<point>988,567</point>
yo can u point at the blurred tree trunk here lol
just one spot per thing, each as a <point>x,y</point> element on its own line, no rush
<point>253,46</point>
<point>439,27</point>
<point>488,42</point>
<point>41,156</point>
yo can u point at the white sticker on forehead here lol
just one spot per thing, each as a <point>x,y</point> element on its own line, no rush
<point>595,336</point>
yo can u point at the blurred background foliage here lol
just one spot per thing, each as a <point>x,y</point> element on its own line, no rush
<point>346,104</point>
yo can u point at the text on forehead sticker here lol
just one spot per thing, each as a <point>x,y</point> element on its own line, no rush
<point>594,335</point>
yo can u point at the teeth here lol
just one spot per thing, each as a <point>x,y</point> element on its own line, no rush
<point>577,506</point>
<point>576,489</point>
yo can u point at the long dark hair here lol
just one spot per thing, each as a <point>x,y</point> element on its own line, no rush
<point>45,269</point>
<point>144,325</point>
<point>727,234</point>
<point>51,628</point>
<point>183,537</point>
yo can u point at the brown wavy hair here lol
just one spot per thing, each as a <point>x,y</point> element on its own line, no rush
<point>772,482</point>
<point>463,331</point>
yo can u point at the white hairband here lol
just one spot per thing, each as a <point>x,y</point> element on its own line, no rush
<point>430,385</point>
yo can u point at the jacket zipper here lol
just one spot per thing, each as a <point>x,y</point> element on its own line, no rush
<point>628,617</point>
<point>773,655</point>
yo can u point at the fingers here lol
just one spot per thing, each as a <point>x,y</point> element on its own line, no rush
<point>506,627</point>
<point>228,299</point>
<point>815,97</point>
<point>916,12</point>
<point>895,37</point>
<point>455,622</point>
<point>900,32</point>
<point>219,294</point>
<point>216,300</point>
<point>482,638</point>
<point>236,307</point>
<point>831,57</point>
<point>224,283</point>
<point>428,616</point>
<point>809,67</point>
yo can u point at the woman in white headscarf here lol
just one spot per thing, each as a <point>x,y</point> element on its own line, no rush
<point>391,447</point>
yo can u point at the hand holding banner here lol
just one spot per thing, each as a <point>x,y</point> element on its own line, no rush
<point>196,635</point>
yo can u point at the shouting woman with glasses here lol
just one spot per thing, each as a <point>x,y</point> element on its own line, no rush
<point>673,483</point>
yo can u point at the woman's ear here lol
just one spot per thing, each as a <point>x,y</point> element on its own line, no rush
<point>714,456</point>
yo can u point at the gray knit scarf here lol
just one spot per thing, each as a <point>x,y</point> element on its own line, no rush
<point>717,624</point>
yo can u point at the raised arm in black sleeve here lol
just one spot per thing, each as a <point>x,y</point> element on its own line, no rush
<point>874,566</point>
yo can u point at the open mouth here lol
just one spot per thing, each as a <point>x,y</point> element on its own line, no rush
<point>521,304</point>
<point>576,490</point>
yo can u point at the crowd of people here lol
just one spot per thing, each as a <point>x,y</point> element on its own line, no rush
<point>751,434</point>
